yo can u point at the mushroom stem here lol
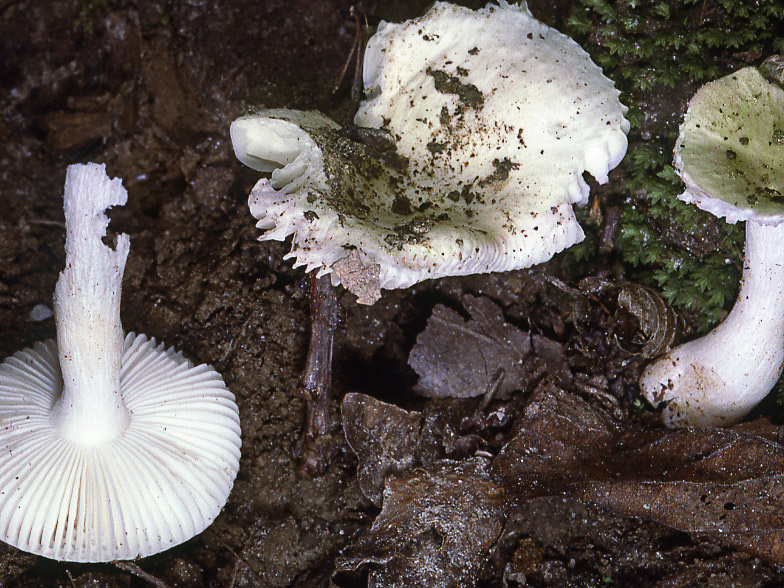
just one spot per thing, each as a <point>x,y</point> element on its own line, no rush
<point>716,380</point>
<point>316,447</point>
<point>87,311</point>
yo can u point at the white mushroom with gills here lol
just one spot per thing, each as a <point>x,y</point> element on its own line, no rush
<point>466,157</point>
<point>730,155</point>
<point>111,446</point>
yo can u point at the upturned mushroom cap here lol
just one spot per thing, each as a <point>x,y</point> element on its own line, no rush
<point>103,475</point>
<point>472,144</point>
<point>730,152</point>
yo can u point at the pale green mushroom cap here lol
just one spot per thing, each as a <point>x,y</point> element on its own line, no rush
<point>730,152</point>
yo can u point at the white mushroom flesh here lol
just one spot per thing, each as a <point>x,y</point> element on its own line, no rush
<point>478,127</point>
<point>90,410</point>
<point>718,379</point>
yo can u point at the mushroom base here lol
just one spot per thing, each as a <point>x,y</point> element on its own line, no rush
<point>718,379</point>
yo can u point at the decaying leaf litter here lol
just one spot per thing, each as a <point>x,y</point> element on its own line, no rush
<point>150,90</point>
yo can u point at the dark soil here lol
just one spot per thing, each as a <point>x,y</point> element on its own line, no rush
<point>150,89</point>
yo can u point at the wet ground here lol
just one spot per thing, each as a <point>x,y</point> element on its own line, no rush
<point>150,90</point>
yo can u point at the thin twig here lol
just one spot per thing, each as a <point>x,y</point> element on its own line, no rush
<point>354,50</point>
<point>46,223</point>
<point>553,281</point>
<point>235,572</point>
<point>137,571</point>
<point>253,570</point>
<point>492,388</point>
<point>234,75</point>
<point>70,577</point>
<point>357,85</point>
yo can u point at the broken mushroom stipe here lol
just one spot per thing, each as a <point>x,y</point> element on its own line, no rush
<point>112,446</point>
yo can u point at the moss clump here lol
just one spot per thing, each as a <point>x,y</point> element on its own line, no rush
<point>651,42</point>
<point>659,52</point>
<point>699,281</point>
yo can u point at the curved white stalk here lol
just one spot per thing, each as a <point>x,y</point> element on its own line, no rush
<point>716,380</point>
<point>90,409</point>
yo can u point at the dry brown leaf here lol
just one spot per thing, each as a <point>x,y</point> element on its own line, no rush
<point>359,279</point>
<point>723,484</point>
<point>457,358</point>
<point>436,528</point>
<point>384,437</point>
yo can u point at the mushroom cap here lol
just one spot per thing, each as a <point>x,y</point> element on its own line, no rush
<point>160,483</point>
<point>456,86</point>
<point>730,151</point>
<point>468,157</point>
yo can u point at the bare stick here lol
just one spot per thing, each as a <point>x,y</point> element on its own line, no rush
<point>357,85</point>
<point>354,49</point>
<point>316,447</point>
<point>137,571</point>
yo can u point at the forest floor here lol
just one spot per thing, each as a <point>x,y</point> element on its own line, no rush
<point>613,499</point>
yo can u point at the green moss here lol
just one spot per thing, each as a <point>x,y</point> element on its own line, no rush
<point>585,249</point>
<point>654,49</point>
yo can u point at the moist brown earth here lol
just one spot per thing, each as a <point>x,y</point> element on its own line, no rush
<point>150,89</point>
